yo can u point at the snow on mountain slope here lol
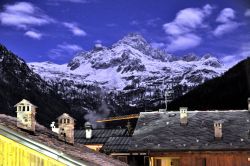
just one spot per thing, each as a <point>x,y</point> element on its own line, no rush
<point>130,59</point>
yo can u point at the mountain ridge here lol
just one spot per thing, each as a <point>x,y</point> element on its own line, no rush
<point>229,91</point>
<point>128,77</point>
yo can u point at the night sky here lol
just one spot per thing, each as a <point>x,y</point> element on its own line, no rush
<point>54,30</point>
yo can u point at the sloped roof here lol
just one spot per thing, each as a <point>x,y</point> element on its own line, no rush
<point>65,115</point>
<point>161,131</point>
<point>116,144</point>
<point>24,101</point>
<point>48,140</point>
<point>99,136</point>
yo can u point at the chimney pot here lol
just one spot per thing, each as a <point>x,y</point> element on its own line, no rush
<point>88,130</point>
<point>218,130</point>
<point>183,116</point>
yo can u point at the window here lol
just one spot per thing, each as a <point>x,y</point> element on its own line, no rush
<point>23,108</point>
<point>123,159</point>
<point>67,120</point>
<point>64,120</point>
<point>28,108</point>
<point>61,121</point>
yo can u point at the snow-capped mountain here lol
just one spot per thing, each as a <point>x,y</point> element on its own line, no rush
<point>130,59</point>
<point>129,73</point>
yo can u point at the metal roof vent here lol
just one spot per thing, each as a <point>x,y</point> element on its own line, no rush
<point>88,130</point>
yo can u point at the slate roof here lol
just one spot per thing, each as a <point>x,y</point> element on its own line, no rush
<point>99,136</point>
<point>161,131</point>
<point>116,145</point>
<point>47,138</point>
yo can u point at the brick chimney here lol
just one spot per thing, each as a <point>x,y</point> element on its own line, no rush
<point>249,104</point>
<point>88,130</point>
<point>183,116</point>
<point>66,128</point>
<point>218,130</point>
<point>26,112</point>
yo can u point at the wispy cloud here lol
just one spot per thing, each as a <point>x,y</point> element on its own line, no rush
<point>181,31</point>
<point>75,29</point>
<point>23,15</point>
<point>33,34</point>
<point>184,42</point>
<point>64,50</point>
<point>247,13</point>
<point>154,22</point>
<point>226,18</point>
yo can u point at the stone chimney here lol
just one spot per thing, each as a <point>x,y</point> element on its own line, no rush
<point>183,116</point>
<point>66,128</point>
<point>88,130</point>
<point>218,130</point>
<point>249,104</point>
<point>26,112</point>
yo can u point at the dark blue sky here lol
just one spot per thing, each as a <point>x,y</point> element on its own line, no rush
<point>55,29</point>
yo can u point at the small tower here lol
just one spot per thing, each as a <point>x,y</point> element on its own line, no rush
<point>88,130</point>
<point>26,112</point>
<point>66,128</point>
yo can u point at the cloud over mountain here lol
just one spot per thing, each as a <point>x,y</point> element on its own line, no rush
<point>182,29</point>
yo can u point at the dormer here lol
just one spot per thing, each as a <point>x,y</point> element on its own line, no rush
<point>26,112</point>
<point>66,128</point>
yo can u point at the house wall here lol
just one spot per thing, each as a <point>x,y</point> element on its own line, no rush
<point>96,147</point>
<point>15,154</point>
<point>208,158</point>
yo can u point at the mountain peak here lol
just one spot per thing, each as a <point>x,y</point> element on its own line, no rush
<point>134,40</point>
